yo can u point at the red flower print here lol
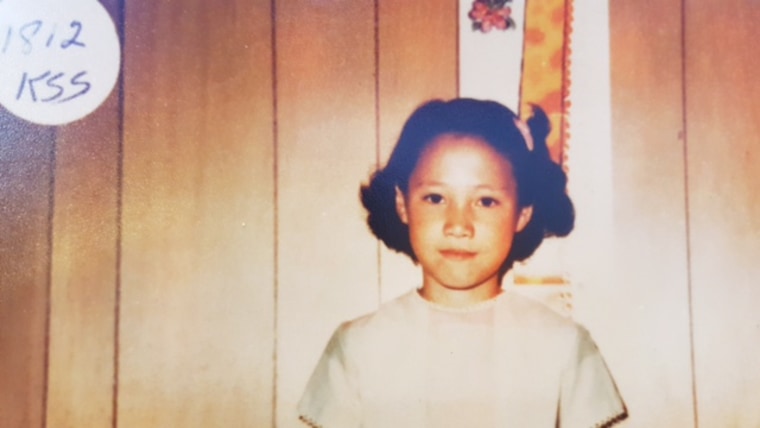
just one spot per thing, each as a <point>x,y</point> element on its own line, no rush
<point>488,14</point>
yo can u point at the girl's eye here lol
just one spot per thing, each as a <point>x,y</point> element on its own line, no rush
<point>433,198</point>
<point>488,202</point>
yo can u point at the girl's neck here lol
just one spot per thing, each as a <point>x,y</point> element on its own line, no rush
<point>457,299</point>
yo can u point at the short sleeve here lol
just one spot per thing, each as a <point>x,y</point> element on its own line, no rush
<point>588,396</point>
<point>331,398</point>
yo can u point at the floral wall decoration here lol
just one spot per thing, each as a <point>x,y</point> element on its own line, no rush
<point>489,14</point>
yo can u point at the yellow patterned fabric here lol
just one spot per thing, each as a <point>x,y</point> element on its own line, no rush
<point>546,66</point>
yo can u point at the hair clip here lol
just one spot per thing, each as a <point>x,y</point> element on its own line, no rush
<point>525,131</point>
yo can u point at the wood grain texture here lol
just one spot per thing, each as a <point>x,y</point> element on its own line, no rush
<point>262,188</point>
<point>723,117</point>
<point>649,296</point>
<point>26,165</point>
<point>196,325</point>
<point>84,267</point>
<point>327,262</point>
<point>414,65</point>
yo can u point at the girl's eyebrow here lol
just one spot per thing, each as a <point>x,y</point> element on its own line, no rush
<point>427,183</point>
<point>442,184</point>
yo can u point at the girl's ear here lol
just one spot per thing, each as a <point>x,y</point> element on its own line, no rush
<point>401,206</point>
<point>524,217</point>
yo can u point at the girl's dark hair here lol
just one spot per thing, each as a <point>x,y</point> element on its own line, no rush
<point>540,182</point>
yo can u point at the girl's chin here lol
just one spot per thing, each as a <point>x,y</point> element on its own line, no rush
<point>466,286</point>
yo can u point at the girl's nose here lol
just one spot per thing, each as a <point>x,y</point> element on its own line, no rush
<point>458,222</point>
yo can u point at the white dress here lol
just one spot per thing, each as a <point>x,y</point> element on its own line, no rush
<point>507,362</point>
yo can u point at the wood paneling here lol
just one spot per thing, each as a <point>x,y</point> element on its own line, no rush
<point>327,261</point>
<point>723,117</point>
<point>197,236</point>
<point>648,297</point>
<point>414,65</point>
<point>84,265</point>
<point>26,165</point>
<point>262,189</point>
<point>83,286</point>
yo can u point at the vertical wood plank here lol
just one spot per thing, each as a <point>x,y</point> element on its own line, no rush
<point>414,66</point>
<point>327,261</point>
<point>83,279</point>
<point>723,125</point>
<point>262,308</point>
<point>26,163</point>
<point>196,306</point>
<point>648,297</point>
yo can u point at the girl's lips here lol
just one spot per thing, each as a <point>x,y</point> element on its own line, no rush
<point>457,254</point>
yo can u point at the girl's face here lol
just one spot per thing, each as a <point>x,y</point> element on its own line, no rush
<point>462,212</point>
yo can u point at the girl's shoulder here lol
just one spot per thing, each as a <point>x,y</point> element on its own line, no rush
<point>526,318</point>
<point>395,324</point>
<point>401,310</point>
<point>528,311</point>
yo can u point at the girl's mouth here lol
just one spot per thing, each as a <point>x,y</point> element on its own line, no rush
<point>457,254</point>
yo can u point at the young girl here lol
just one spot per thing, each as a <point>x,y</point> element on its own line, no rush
<point>468,190</point>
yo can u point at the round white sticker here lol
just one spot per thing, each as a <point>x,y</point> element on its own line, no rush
<point>59,59</point>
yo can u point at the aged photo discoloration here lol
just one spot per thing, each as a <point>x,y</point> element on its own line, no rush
<point>183,254</point>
